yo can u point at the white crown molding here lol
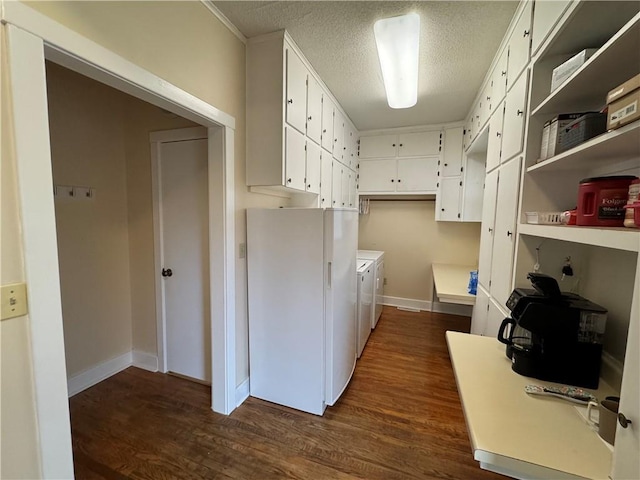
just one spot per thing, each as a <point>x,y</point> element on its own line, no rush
<point>226,22</point>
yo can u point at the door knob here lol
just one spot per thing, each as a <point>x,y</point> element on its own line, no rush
<point>623,421</point>
<point>166,272</point>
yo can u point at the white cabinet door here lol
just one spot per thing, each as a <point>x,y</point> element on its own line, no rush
<point>336,184</point>
<point>485,105</point>
<point>296,107</point>
<point>480,312</point>
<point>487,228</point>
<point>545,16</point>
<point>494,145</point>
<point>378,175</point>
<point>514,120</point>
<point>350,146</point>
<point>327,123</point>
<point>378,146</point>
<point>625,455</point>
<point>353,190</point>
<point>505,225</point>
<point>346,180</point>
<point>314,109</point>
<point>417,174</point>
<point>326,178</point>
<point>338,136</point>
<point>472,189</point>
<point>312,177</point>
<point>452,154</point>
<point>495,317</point>
<point>499,79</point>
<point>294,159</point>
<point>519,45</point>
<point>419,144</point>
<point>448,199</point>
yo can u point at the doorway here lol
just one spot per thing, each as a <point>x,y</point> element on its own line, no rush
<point>30,39</point>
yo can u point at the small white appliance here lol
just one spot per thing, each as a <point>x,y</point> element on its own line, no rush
<point>378,281</point>
<point>365,302</point>
<point>302,304</point>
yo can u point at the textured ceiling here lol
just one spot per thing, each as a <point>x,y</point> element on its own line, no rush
<point>458,42</point>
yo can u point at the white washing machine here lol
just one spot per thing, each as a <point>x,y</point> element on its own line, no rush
<point>378,281</point>
<point>365,302</point>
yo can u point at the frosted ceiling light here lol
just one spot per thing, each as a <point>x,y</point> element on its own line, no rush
<point>398,39</point>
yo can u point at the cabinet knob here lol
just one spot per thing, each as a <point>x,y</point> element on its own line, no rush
<point>509,233</point>
<point>309,118</point>
<point>498,134</point>
<point>335,139</point>
<point>490,229</point>
<point>623,421</point>
<point>442,209</point>
<point>503,73</point>
<point>399,180</point>
<point>393,144</point>
<point>324,131</point>
<point>446,164</point>
<point>309,186</point>
<point>526,33</point>
<point>488,98</point>
<point>519,112</point>
<point>166,272</point>
<point>290,101</point>
<point>392,180</point>
<point>288,180</point>
<point>400,144</point>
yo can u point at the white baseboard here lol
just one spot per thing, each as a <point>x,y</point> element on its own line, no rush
<point>100,372</point>
<point>427,306</point>
<point>242,392</point>
<point>144,360</point>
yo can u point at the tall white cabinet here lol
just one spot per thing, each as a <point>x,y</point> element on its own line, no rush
<point>604,260</point>
<point>299,141</point>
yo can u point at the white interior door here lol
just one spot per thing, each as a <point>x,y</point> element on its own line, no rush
<point>185,257</point>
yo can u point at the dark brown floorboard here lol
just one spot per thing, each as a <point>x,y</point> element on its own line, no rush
<point>400,418</point>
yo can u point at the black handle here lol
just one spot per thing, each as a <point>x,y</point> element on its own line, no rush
<point>623,421</point>
<point>490,229</point>
<point>498,134</point>
<point>393,144</point>
<point>446,164</point>
<point>288,180</point>
<point>526,33</point>
<point>290,100</point>
<point>166,272</point>
<point>509,233</point>
<point>399,180</point>
<point>503,73</point>
<point>392,180</point>
<point>324,131</point>
<point>503,327</point>
<point>519,112</point>
<point>400,144</point>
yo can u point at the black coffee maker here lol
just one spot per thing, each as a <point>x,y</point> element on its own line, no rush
<point>554,336</point>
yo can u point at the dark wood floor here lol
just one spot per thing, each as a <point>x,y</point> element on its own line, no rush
<point>400,418</point>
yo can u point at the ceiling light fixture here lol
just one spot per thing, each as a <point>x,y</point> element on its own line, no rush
<point>397,39</point>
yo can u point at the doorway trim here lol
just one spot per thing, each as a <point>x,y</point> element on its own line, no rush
<point>32,38</point>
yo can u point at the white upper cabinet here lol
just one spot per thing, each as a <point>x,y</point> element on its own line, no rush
<point>514,119</point>
<point>338,136</point>
<point>313,166</point>
<point>314,109</point>
<point>494,143</point>
<point>378,146</point>
<point>519,45</point>
<point>296,91</point>
<point>378,175</point>
<point>327,123</point>
<point>417,174</point>
<point>448,199</point>
<point>452,154</point>
<point>419,144</point>
<point>487,228</point>
<point>295,169</point>
<point>545,16</point>
<point>499,79</point>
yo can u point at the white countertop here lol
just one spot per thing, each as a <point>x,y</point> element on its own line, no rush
<point>511,432</point>
<point>450,283</point>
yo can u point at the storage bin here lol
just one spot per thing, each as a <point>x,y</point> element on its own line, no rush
<point>582,129</point>
<point>602,200</point>
<point>544,218</point>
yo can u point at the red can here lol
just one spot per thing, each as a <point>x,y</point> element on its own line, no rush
<point>602,200</point>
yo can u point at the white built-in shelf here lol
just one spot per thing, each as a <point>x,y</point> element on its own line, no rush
<point>480,142</point>
<point>621,144</point>
<point>627,239</point>
<point>613,64</point>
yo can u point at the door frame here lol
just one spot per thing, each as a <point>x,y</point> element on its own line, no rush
<point>157,139</point>
<point>32,38</point>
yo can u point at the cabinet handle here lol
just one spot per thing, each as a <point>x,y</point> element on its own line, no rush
<point>498,134</point>
<point>526,33</point>
<point>335,139</point>
<point>503,73</point>
<point>324,131</point>
<point>488,98</point>
<point>490,229</point>
<point>290,100</point>
<point>519,112</point>
<point>509,233</point>
<point>309,118</point>
<point>623,421</point>
<point>288,180</point>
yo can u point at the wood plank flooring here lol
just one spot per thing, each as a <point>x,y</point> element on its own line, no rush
<point>400,418</point>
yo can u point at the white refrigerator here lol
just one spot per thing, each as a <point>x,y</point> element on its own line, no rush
<point>302,304</point>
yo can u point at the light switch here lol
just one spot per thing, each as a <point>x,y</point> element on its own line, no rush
<point>64,191</point>
<point>14,300</point>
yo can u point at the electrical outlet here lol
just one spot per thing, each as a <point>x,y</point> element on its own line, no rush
<point>83,193</point>
<point>14,300</point>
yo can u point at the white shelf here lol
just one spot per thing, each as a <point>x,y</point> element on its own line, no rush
<point>627,239</point>
<point>614,63</point>
<point>621,144</point>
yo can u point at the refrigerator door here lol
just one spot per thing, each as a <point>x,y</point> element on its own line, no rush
<point>285,257</point>
<point>341,243</point>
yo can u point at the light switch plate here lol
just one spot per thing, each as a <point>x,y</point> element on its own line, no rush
<point>14,300</point>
